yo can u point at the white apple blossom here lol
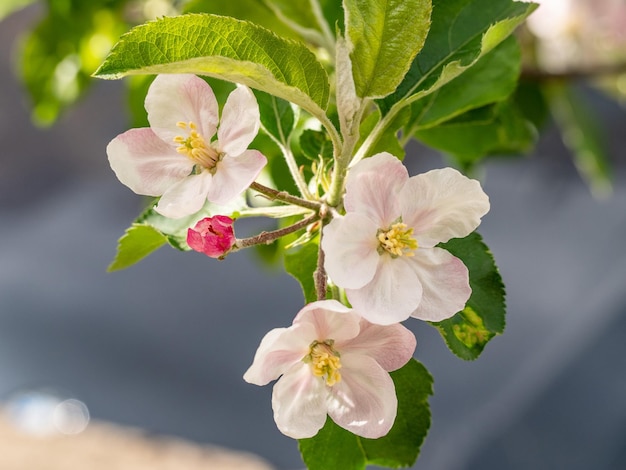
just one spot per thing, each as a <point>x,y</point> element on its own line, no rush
<point>332,361</point>
<point>176,158</point>
<point>383,250</point>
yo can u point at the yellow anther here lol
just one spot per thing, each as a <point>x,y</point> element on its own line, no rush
<point>195,147</point>
<point>397,241</point>
<point>324,361</point>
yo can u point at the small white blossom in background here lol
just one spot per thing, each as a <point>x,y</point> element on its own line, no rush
<point>176,158</point>
<point>383,251</point>
<point>332,361</point>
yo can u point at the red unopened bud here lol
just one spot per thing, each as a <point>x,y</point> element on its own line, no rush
<point>213,236</point>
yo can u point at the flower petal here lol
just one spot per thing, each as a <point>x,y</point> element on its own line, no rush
<point>173,98</point>
<point>372,188</point>
<point>299,402</point>
<point>442,204</point>
<point>350,245</point>
<point>240,122</point>
<point>445,284</point>
<point>186,197</point>
<point>364,401</point>
<point>330,320</point>
<point>391,346</point>
<point>392,295</point>
<point>145,163</point>
<point>233,175</point>
<point>279,350</point>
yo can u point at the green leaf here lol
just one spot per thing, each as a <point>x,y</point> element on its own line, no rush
<point>225,48</point>
<point>316,144</point>
<point>277,117</point>
<point>461,32</point>
<point>388,140</point>
<point>385,35</point>
<point>137,243</point>
<point>301,263</point>
<point>493,78</point>
<point>334,447</point>
<point>468,332</point>
<point>582,134</point>
<point>401,446</point>
<point>254,11</point>
<point>498,129</point>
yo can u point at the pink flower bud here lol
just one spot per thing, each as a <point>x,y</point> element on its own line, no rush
<point>213,236</point>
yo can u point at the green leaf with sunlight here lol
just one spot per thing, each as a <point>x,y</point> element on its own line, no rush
<point>137,243</point>
<point>385,36</point>
<point>225,48</point>
<point>469,331</point>
<point>493,78</point>
<point>334,447</point>
<point>498,129</point>
<point>250,10</point>
<point>462,31</point>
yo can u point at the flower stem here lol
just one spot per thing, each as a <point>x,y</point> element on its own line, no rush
<point>319,275</point>
<point>268,237</point>
<point>283,196</point>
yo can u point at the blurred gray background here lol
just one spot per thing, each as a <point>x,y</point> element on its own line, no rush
<point>163,345</point>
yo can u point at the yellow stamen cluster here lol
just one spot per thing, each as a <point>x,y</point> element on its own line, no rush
<point>324,361</point>
<point>397,241</point>
<point>195,147</point>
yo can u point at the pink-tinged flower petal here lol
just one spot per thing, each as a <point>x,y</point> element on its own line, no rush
<point>186,197</point>
<point>299,402</point>
<point>145,163</point>
<point>213,236</point>
<point>350,246</point>
<point>372,188</point>
<point>391,346</point>
<point>364,401</point>
<point>442,204</point>
<point>330,320</point>
<point>240,122</point>
<point>234,175</point>
<point>445,284</point>
<point>175,98</point>
<point>280,349</point>
<point>392,295</point>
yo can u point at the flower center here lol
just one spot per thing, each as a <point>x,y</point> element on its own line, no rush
<point>195,147</point>
<point>398,240</point>
<point>324,361</point>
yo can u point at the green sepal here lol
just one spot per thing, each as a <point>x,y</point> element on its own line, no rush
<point>468,332</point>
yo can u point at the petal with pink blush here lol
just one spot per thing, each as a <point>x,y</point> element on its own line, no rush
<point>445,284</point>
<point>350,246</point>
<point>442,204</point>
<point>391,346</point>
<point>186,197</point>
<point>240,122</point>
<point>299,402</point>
<point>280,349</point>
<point>330,320</point>
<point>145,163</point>
<point>392,295</point>
<point>234,175</point>
<point>372,188</point>
<point>173,98</point>
<point>364,401</point>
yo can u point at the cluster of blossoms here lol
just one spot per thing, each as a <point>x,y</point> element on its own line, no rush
<point>381,251</point>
